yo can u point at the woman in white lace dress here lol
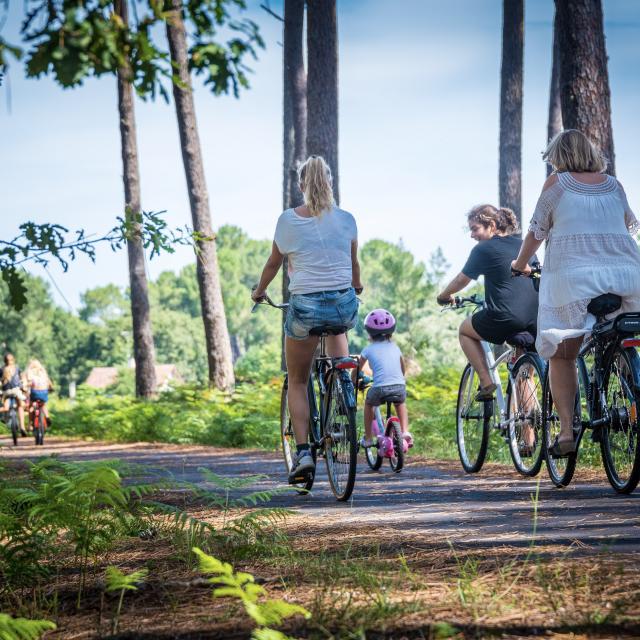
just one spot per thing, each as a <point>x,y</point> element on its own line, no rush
<point>588,224</point>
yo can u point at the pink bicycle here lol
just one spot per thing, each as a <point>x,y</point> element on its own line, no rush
<point>387,436</point>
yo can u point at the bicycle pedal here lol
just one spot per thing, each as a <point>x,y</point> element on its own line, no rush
<point>301,478</point>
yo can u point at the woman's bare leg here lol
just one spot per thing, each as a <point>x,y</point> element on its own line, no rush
<point>563,378</point>
<point>470,343</point>
<point>299,356</point>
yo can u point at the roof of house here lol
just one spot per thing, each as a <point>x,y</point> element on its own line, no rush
<point>102,377</point>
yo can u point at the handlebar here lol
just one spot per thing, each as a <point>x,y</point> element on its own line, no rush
<point>267,300</point>
<point>536,272</point>
<point>460,303</point>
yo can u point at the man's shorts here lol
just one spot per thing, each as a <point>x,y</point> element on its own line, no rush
<point>389,393</point>
<point>322,309</point>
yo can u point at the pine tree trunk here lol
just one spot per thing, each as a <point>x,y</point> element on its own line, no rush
<point>584,79</point>
<point>554,125</point>
<point>143,348</point>
<point>511,78</point>
<point>294,118</point>
<point>219,354</point>
<point>322,84</point>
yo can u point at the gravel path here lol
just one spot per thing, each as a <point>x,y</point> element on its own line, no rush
<point>434,502</point>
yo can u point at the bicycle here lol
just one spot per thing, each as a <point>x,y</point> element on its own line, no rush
<point>387,435</point>
<point>332,415</point>
<point>516,415</point>
<point>11,420</point>
<point>607,399</point>
<point>38,420</point>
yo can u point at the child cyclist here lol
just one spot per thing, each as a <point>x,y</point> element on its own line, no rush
<point>385,359</point>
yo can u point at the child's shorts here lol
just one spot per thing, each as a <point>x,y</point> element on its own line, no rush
<point>389,393</point>
<point>39,394</point>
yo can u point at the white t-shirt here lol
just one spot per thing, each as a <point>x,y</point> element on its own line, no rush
<point>384,358</point>
<point>318,249</point>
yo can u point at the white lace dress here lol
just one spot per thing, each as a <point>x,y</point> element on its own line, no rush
<point>590,251</point>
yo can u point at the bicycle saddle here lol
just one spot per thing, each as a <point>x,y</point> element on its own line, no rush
<point>328,330</point>
<point>523,340</point>
<point>604,304</point>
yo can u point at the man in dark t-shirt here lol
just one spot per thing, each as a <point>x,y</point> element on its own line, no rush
<point>511,303</point>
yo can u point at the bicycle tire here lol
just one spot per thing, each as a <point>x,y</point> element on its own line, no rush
<point>560,470</point>
<point>289,442</point>
<point>525,405</point>
<point>39,428</point>
<point>340,436</point>
<point>394,431</point>
<point>621,436</point>
<point>472,416</point>
<point>372,454</point>
<point>15,431</point>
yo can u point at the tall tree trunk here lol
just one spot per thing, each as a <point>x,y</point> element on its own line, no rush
<point>511,74</point>
<point>322,84</point>
<point>143,348</point>
<point>219,354</point>
<point>294,117</point>
<point>554,125</point>
<point>584,79</point>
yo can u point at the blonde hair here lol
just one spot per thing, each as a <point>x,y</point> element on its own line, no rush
<point>316,185</point>
<point>36,370</point>
<point>504,219</point>
<point>9,367</point>
<point>571,150</point>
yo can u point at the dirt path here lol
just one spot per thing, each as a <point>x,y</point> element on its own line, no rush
<point>431,502</point>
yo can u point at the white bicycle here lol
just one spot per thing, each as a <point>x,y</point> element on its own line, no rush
<point>514,414</point>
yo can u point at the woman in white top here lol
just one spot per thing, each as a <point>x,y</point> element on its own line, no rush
<point>321,244</point>
<point>588,224</point>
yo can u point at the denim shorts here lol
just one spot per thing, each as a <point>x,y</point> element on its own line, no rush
<point>322,309</point>
<point>39,394</point>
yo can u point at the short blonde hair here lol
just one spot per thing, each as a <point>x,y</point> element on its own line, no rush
<point>571,150</point>
<point>316,182</point>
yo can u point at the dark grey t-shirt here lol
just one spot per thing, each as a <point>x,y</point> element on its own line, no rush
<point>13,382</point>
<point>505,296</point>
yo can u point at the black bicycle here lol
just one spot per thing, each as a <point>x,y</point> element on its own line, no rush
<point>11,419</point>
<point>607,399</point>
<point>332,415</point>
<point>515,415</point>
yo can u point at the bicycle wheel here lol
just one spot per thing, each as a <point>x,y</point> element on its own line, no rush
<point>340,437</point>
<point>15,430</point>
<point>394,431</point>
<point>560,470</point>
<point>289,440</point>
<point>524,407</point>
<point>472,423</point>
<point>372,454</point>
<point>39,427</point>
<point>620,442</point>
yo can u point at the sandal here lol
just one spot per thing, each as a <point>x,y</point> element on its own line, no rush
<point>562,448</point>
<point>486,393</point>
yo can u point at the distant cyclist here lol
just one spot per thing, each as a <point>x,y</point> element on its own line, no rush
<point>385,359</point>
<point>39,385</point>
<point>511,303</point>
<point>11,379</point>
<point>320,241</point>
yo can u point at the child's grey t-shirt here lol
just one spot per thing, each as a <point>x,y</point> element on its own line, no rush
<point>318,249</point>
<point>384,358</point>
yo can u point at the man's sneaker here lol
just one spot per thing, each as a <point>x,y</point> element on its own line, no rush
<point>303,465</point>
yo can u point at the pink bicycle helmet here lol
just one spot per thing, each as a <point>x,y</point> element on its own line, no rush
<point>379,322</point>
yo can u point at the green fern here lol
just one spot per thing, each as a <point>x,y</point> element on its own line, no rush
<point>242,586</point>
<point>119,581</point>
<point>22,628</point>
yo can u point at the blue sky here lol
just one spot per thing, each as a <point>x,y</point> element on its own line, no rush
<point>419,88</point>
